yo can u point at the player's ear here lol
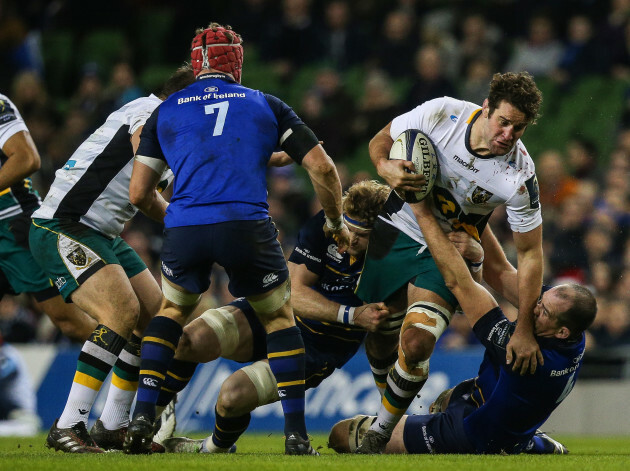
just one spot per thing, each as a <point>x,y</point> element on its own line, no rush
<point>563,333</point>
<point>485,108</point>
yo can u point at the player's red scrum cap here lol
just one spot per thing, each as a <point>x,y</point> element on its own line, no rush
<point>219,48</point>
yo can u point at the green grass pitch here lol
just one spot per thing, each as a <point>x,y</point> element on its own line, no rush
<point>261,452</point>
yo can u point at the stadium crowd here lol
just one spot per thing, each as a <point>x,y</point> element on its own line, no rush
<point>365,62</point>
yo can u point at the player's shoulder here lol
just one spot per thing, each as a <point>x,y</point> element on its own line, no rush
<point>141,105</point>
<point>520,160</point>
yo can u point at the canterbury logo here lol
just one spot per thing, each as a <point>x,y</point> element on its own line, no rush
<point>282,393</point>
<point>270,278</point>
<point>98,335</point>
<point>83,411</point>
<point>152,383</point>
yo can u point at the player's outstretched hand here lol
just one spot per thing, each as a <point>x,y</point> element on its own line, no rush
<point>466,245</point>
<point>371,316</point>
<point>401,175</point>
<point>523,353</point>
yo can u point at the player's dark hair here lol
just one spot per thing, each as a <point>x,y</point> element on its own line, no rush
<point>517,89</point>
<point>582,312</point>
<point>180,79</point>
<point>364,200</point>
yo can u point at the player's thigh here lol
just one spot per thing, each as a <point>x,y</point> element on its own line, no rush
<point>107,296</point>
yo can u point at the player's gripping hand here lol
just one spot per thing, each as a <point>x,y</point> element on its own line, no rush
<point>466,245</point>
<point>523,352</point>
<point>401,175</point>
<point>371,316</point>
<point>341,236</point>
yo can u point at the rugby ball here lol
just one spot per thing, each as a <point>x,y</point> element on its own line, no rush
<point>416,147</point>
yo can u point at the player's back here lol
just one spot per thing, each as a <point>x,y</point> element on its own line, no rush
<point>217,137</point>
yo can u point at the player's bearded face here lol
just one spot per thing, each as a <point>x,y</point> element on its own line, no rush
<point>503,128</point>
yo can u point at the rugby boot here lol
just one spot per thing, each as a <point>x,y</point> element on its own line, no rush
<point>545,445</point>
<point>188,445</point>
<point>108,439</point>
<point>139,436</point>
<point>75,439</point>
<point>296,445</point>
<point>166,423</point>
<point>373,443</point>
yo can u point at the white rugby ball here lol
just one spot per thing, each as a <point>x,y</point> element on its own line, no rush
<point>416,147</point>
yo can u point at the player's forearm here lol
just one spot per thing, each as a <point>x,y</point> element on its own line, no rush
<point>498,272</point>
<point>310,304</point>
<point>22,160</point>
<point>153,206</point>
<point>327,187</point>
<point>448,260</point>
<point>530,269</point>
<point>379,148</point>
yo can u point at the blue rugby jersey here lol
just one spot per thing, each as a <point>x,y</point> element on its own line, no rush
<point>217,137</point>
<point>338,275</point>
<point>512,406</point>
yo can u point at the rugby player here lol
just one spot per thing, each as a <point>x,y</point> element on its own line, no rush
<point>216,136</point>
<point>499,411</point>
<point>333,322</point>
<point>75,238</point>
<point>19,273</point>
<point>483,164</point>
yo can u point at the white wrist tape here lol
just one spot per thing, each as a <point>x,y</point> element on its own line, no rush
<point>345,314</point>
<point>334,225</point>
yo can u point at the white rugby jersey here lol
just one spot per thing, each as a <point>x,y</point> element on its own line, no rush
<point>93,186</point>
<point>469,186</point>
<point>20,197</point>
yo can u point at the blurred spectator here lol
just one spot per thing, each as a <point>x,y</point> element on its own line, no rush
<point>122,87</point>
<point>555,184</point>
<point>474,87</point>
<point>568,258</point>
<point>377,106</point>
<point>344,41</point>
<point>437,29</point>
<point>89,99</point>
<point>615,33</point>
<point>429,81</point>
<point>295,40</point>
<point>480,38</point>
<point>582,158</point>
<point>18,324</point>
<point>613,329</point>
<point>394,50</point>
<point>582,54</point>
<point>540,53</point>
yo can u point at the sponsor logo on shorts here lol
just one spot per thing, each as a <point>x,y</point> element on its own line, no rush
<point>269,279</point>
<point>167,271</point>
<point>60,282</point>
<point>152,383</point>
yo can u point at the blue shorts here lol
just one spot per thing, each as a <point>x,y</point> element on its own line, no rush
<point>442,432</point>
<point>320,361</point>
<point>249,252</point>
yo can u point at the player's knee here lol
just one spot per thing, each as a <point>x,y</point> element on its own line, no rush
<point>270,306</point>
<point>417,345</point>
<point>232,398</point>
<point>193,348</point>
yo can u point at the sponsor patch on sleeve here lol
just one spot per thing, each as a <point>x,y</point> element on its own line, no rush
<point>534,193</point>
<point>7,113</point>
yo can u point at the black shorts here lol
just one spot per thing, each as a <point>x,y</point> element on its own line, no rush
<point>249,252</point>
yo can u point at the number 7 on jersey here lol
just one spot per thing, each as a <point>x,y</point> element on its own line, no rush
<point>223,109</point>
